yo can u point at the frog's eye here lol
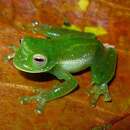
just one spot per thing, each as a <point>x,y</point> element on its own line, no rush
<point>39,60</point>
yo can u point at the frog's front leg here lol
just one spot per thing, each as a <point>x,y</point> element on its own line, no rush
<point>103,70</point>
<point>58,91</point>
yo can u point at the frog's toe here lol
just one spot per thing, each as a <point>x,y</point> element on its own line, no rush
<point>39,98</point>
<point>96,91</point>
<point>9,57</point>
<point>25,99</point>
<point>94,99</point>
<point>107,97</point>
<point>40,106</point>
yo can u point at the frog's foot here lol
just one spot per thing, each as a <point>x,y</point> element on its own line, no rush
<point>10,56</point>
<point>96,91</point>
<point>40,98</point>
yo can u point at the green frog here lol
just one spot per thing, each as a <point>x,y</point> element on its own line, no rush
<point>62,53</point>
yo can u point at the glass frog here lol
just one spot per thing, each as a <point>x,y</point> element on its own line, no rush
<point>61,54</point>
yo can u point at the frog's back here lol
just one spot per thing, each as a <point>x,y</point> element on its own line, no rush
<point>76,54</point>
<point>64,43</point>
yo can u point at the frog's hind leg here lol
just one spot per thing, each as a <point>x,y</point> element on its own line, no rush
<point>103,70</point>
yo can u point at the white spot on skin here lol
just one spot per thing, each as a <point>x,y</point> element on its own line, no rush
<point>108,45</point>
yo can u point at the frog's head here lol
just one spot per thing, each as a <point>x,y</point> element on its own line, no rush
<point>35,55</point>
